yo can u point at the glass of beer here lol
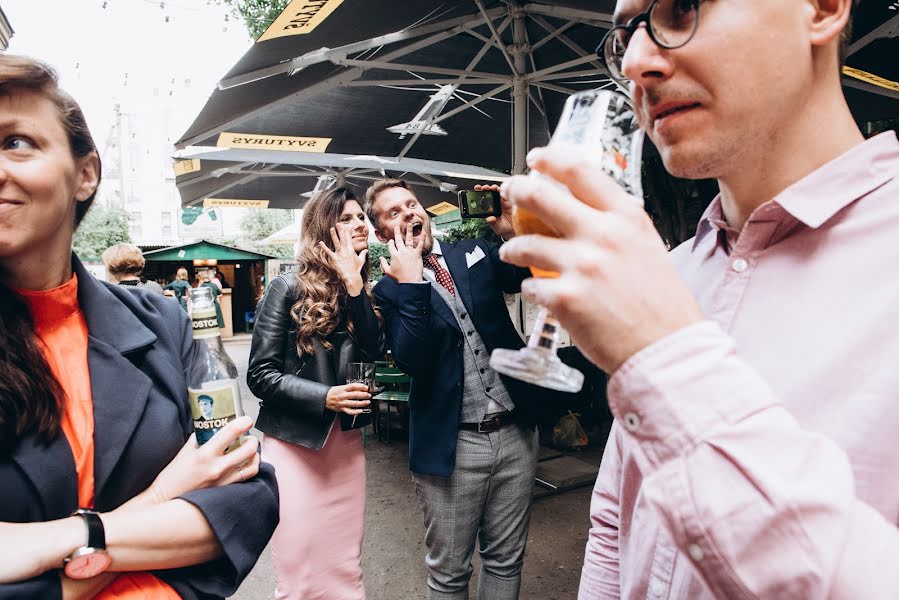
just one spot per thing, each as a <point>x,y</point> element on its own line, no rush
<point>599,122</point>
<point>364,373</point>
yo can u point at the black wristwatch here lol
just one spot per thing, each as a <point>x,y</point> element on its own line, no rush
<point>91,559</point>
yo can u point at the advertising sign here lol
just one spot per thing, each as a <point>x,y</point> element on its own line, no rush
<point>300,17</point>
<point>255,141</point>
<point>206,224</point>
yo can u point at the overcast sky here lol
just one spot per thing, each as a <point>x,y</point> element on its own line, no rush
<point>122,52</point>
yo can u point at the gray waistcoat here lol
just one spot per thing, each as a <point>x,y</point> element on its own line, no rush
<point>480,383</point>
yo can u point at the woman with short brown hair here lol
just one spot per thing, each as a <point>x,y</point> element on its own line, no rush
<point>125,265</point>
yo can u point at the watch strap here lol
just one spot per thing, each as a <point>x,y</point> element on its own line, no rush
<point>96,534</point>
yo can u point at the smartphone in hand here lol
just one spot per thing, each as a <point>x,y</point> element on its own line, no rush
<point>479,205</point>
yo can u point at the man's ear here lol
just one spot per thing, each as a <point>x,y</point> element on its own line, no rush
<point>89,172</point>
<point>827,20</point>
<point>380,237</point>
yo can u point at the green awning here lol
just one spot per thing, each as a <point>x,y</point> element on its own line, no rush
<point>203,250</point>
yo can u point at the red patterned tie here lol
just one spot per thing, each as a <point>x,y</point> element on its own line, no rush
<point>442,275</point>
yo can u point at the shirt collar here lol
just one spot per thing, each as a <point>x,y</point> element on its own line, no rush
<point>821,194</point>
<point>435,248</point>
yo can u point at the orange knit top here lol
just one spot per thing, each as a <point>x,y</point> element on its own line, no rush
<point>62,333</point>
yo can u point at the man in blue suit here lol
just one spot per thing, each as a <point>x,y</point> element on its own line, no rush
<point>472,443</point>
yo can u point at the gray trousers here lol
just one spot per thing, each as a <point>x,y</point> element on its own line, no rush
<point>487,499</point>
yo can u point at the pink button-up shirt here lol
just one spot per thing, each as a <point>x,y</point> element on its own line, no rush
<point>756,454</point>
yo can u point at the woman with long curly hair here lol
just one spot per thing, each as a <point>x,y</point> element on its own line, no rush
<point>309,326</point>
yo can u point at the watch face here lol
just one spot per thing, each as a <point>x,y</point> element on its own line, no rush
<point>88,565</point>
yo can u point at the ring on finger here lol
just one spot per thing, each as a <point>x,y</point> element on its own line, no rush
<point>243,476</point>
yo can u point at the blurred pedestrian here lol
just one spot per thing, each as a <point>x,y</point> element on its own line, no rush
<point>309,327</point>
<point>94,411</point>
<point>214,279</point>
<point>180,286</point>
<point>205,280</point>
<point>125,264</point>
<point>223,283</point>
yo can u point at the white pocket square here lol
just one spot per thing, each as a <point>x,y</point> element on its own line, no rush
<point>474,256</point>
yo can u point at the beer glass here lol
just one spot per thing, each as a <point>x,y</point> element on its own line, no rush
<point>601,123</point>
<point>362,372</point>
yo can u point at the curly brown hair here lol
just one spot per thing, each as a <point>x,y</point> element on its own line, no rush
<point>322,306</point>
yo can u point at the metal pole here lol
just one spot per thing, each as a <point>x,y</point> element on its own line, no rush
<point>519,52</point>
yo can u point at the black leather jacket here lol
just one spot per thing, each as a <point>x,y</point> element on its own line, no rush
<point>292,388</point>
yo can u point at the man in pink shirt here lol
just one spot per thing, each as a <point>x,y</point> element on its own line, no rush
<point>754,377</point>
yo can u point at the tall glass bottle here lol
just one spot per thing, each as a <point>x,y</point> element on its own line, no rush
<point>212,381</point>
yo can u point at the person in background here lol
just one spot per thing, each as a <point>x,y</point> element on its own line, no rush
<point>204,279</point>
<point>180,287</point>
<point>214,279</point>
<point>125,264</point>
<point>94,413</point>
<point>472,442</point>
<point>309,326</point>
<point>753,369</point>
<point>221,279</point>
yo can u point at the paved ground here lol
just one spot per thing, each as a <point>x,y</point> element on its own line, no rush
<point>393,550</point>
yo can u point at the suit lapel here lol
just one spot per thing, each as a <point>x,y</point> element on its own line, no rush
<point>119,389</point>
<point>442,308</point>
<point>458,268</point>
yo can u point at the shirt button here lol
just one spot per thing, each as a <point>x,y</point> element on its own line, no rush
<point>487,389</point>
<point>470,333</point>
<point>483,371</point>
<point>739,265</point>
<point>476,352</point>
<point>657,587</point>
<point>631,422</point>
<point>463,315</point>
<point>695,552</point>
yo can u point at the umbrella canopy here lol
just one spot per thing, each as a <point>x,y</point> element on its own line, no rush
<point>871,75</point>
<point>356,87</point>
<point>458,82</point>
<point>278,179</point>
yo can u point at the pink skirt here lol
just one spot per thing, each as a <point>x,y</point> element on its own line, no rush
<point>317,547</point>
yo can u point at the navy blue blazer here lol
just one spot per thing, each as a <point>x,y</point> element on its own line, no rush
<point>426,342</point>
<point>139,352</point>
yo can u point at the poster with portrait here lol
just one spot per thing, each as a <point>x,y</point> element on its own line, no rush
<point>213,406</point>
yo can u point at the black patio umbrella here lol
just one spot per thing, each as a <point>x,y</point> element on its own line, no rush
<point>212,181</point>
<point>871,75</point>
<point>464,82</point>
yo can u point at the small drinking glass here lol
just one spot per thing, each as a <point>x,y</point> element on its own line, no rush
<point>362,372</point>
<point>598,122</point>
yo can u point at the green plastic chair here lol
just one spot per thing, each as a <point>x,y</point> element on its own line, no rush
<point>395,384</point>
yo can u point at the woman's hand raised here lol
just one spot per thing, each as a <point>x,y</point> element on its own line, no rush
<point>346,261</point>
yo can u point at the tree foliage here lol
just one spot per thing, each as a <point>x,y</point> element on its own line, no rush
<point>470,229</point>
<point>101,228</point>
<point>259,223</point>
<point>375,251</point>
<point>257,14</point>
